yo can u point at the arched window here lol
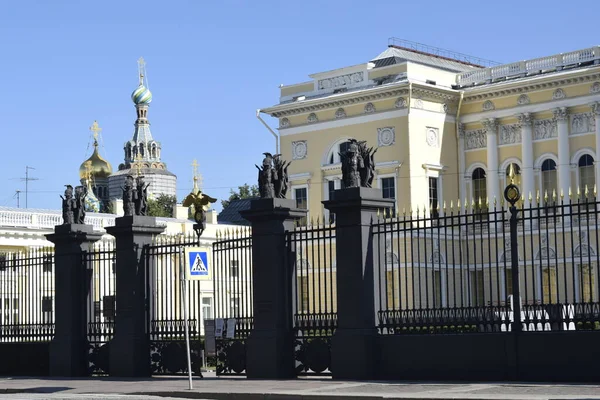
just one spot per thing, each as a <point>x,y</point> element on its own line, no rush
<point>334,156</point>
<point>479,183</point>
<point>549,182</point>
<point>586,176</point>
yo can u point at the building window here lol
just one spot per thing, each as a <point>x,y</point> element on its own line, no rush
<point>47,308</point>
<point>207,308</point>
<point>331,189</point>
<point>479,183</point>
<point>235,307</point>
<point>586,283</point>
<point>47,263</point>
<point>97,311</point>
<point>549,181</point>
<point>477,288</point>
<point>388,189</point>
<point>587,179</point>
<point>334,157</point>
<point>234,269</point>
<point>301,197</point>
<point>433,197</point>
<point>108,308</point>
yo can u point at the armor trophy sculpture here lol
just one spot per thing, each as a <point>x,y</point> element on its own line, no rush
<point>68,206</point>
<point>273,177</point>
<point>358,164</point>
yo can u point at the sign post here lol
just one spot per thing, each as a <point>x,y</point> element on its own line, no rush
<point>183,292</point>
<point>196,269</point>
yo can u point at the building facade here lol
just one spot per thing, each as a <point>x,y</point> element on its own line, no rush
<point>446,129</point>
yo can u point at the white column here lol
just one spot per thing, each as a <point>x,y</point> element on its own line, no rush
<point>493,183</point>
<point>564,155</point>
<point>596,112</point>
<point>462,184</point>
<point>527,180</point>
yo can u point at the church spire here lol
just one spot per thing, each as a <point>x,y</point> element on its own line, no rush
<point>197,178</point>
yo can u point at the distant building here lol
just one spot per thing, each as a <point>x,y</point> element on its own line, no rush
<point>142,152</point>
<point>231,213</point>
<point>94,173</point>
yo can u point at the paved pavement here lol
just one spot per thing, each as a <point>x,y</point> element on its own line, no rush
<point>306,388</point>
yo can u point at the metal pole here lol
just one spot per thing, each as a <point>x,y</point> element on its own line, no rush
<point>183,291</point>
<point>517,325</point>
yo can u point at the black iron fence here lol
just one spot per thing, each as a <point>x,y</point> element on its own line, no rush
<point>100,261</point>
<point>166,316</point>
<point>314,299</point>
<point>232,258</point>
<point>453,271</point>
<point>27,295</point>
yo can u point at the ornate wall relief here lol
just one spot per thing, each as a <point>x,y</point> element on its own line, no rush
<point>595,88</point>
<point>284,123</point>
<point>432,136</point>
<point>299,150</point>
<point>544,129</point>
<point>476,139</point>
<point>400,103</point>
<point>488,106</point>
<point>312,118</point>
<point>523,99</point>
<point>340,81</point>
<point>419,104</point>
<point>386,136</point>
<point>369,108</point>
<point>583,123</point>
<point>510,134</point>
<point>340,113</point>
<point>558,94</point>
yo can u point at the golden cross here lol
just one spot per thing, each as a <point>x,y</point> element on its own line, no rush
<point>197,176</point>
<point>96,129</point>
<point>141,66</point>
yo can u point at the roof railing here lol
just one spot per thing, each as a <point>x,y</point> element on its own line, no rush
<point>535,66</point>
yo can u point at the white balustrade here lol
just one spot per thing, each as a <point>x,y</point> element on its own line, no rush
<point>528,67</point>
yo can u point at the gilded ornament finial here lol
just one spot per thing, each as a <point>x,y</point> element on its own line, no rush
<point>511,173</point>
<point>95,128</point>
<point>197,177</point>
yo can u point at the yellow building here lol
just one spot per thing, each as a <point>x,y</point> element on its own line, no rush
<point>445,126</point>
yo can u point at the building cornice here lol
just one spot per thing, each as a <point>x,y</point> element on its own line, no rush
<point>532,84</point>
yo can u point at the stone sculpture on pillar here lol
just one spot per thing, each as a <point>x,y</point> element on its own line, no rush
<point>273,177</point>
<point>129,197</point>
<point>68,206</point>
<point>141,200</point>
<point>80,195</point>
<point>358,164</point>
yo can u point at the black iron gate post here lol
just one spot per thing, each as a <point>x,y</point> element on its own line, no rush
<point>357,276</point>
<point>270,348</point>
<point>68,349</point>
<point>130,347</point>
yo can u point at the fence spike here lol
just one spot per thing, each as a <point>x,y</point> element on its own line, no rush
<point>530,197</point>
<point>495,199</point>
<point>404,211</point>
<point>570,193</point>
<point>562,195</point>
<point>578,192</point>
<point>554,195</point>
<point>537,197</point>
<point>546,196</point>
<point>378,213</point>
<point>595,190</point>
<point>444,206</point>
<point>587,192</point>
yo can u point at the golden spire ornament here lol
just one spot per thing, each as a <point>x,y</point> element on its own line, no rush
<point>95,128</point>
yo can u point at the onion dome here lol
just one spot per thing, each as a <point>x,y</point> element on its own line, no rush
<point>95,166</point>
<point>141,95</point>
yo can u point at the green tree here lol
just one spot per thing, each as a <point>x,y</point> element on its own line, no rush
<point>161,206</point>
<point>244,192</point>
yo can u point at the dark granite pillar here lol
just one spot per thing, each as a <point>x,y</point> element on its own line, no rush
<point>353,344</point>
<point>68,349</point>
<point>130,347</point>
<point>270,346</point>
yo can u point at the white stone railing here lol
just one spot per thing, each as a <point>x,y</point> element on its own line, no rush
<point>48,220</point>
<point>529,67</point>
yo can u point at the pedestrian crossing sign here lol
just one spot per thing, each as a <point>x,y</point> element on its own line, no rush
<point>197,267</point>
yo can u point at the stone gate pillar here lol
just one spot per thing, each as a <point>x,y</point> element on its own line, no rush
<point>68,349</point>
<point>130,347</point>
<point>353,346</point>
<point>270,346</point>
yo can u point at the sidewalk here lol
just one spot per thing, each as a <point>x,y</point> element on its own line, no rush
<point>307,388</point>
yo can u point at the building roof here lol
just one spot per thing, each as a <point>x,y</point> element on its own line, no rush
<point>397,55</point>
<point>231,213</point>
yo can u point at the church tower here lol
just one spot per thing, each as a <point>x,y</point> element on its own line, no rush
<point>93,174</point>
<point>142,154</point>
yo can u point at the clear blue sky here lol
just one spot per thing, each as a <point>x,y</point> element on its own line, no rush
<point>211,64</point>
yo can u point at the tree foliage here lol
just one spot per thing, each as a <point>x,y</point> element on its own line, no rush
<point>162,206</point>
<point>244,192</point>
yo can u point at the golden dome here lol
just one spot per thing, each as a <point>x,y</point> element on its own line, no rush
<point>97,166</point>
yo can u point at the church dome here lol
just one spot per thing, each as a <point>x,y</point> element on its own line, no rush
<point>99,167</point>
<point>141,95</point>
